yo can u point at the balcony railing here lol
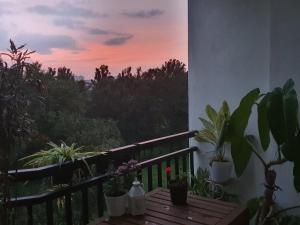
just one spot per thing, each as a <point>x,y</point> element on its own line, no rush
<point>152,155</point>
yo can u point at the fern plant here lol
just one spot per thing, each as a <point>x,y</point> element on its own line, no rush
<point>214,130</point>
<point>57,154</point>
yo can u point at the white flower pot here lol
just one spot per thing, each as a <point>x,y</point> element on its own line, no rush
<point>116,206</point>
<point>221,171</point>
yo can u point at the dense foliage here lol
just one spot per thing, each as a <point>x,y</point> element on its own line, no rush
<point>145,104</point>
<point>108,111</point>
<point>40,106</point>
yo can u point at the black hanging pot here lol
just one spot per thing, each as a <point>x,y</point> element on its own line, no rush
<point>63,176</point>
<point>178,192</point>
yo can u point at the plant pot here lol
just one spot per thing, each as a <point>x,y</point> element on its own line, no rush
<point>221,171</point>
<point>178,193</point>
<point>116,205</point>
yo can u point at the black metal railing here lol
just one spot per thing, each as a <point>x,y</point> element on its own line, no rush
<point>182,158</point>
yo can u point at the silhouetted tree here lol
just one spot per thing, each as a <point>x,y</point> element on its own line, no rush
<point>15,120</point>
<point>145,104</point>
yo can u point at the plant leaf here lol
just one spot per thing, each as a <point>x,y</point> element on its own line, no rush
<point>240,117</point>
<point>253,206</point>
<point>208,125</point>
<point>263,122</point>
<point>206,136</point>
<point>289,85</point>
<point>290,109</point>
<point>296,172</point>
<point>241,153</point>
<point>225,111</point>
<point>211,113</point>
<point>276,116</point>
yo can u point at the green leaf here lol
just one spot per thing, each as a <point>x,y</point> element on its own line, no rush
<point>296,172</point>
<point>241,153</point>
<point>289,85</point>
<point>253,206</point>
<point>283,114</point>
<point>240,117</point>
<point>290,109</point>
<point>211,113</point>
<point>208,125</point>
<point>225,111</point>
<point>276,116</point>
<point>206,136</point>
<point>222,136</point>
<point>263,122</point>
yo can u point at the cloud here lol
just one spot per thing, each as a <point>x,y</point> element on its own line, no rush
<point>65,9</point>
<point>4,40</point>
<point>44,44</point>
<point>4,8</point>
<point>118,40</point>
<point>96,31</point>
<point>144,14</point>
<point>80,25</point>
<point>68,23</point>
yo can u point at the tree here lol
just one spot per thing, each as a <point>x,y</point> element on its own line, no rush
<point>145,104</point>
<point>15,119</point>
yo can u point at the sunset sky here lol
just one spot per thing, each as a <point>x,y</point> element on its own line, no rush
<point>83,34</point>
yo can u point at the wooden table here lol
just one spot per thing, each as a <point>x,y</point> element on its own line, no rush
<point>198,211</point>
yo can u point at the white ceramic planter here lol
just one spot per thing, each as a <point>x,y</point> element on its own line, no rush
<point>221,171</point>
<point>116,206</point>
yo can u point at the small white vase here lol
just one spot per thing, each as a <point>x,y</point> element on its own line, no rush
<point>116,206</point>
<point>221,171</point>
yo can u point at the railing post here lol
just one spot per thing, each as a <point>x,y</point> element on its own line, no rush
<point>49,212</point>
<point>68,209</point>
<point>29,215</point>
<point>176,166</point>
<point>100,167</point>
<point>192,169</point>
<point>85,206</point>
<point>184,166</point>
<point>150,185</point>
<point>159,175</point>
<point>168,175</point>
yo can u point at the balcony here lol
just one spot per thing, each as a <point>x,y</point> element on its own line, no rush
<point>153,156</point>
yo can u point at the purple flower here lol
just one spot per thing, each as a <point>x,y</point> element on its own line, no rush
<point>122,169</point>
<point>132,163</point>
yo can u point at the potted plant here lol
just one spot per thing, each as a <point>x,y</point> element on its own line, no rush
<point>214,132</point>
<point>178,188</point>
<point>277,118</point>
<point>59,154</point>
<point>116,188</point>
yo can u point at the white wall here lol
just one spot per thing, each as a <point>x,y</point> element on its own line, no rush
<point>235,46</point>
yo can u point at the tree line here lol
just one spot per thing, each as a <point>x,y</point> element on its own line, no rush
<point>106,112</point>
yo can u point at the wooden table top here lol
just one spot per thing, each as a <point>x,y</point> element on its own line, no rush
<point>198,211</point>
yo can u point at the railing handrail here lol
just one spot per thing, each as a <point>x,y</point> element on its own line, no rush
<point>49,196</point>
<point>47,171</point>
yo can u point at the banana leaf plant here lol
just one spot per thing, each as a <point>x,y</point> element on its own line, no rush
<point>214,130</point>
<point>277,117</point>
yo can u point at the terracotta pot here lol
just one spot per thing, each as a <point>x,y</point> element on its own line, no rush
<point>178,192</point>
